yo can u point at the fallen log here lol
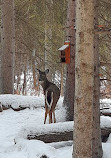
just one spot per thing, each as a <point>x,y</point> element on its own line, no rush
<point>52,137</point>
<point>18,102</point>
<point>49,133</point>
<point>9,107</point>
<point>105,133</point>
<point>20,108</point>
<point>59,132</point>
<point>106,111</point>
<point>106,114</point>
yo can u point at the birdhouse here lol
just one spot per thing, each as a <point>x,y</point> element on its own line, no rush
<point>65,53</point>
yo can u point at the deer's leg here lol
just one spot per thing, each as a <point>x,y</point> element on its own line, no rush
<point>50,116</point>
<point>54,116</point>
<point>46,112</point>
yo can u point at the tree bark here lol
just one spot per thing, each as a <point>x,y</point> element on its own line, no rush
<point>8,46</point>
<point>24,91</point>
<point>34,72</point>
<point>62,80</point>
<point>84,79</point>
<point>96,144</point>
<point>107,1</point>
<point>48,32</point>
<point>70,76</point>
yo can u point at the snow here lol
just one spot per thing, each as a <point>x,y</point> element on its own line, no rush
<point>105,121</point>
<point>15,125</point>
<point>105,103</point>
<point>44,129</point>
<point>63,47</point>
<point>106,150</point>
<point>17,101</point>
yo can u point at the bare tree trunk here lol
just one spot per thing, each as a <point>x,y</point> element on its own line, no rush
<point>48,31</point>
<point>8,46</point>
<point>18,83</point>
<point>96,145</point>
<point>17,73</point>
<point>33,69</point>
<point>24,91</point>
<point>24,83</point>
<point>62,79</point>
<point>84,79</point>
<point>70,78</point>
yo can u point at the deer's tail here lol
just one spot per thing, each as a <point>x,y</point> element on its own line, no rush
<point>49,99</point>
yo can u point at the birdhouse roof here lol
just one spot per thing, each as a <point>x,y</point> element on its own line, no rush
<point>63,47</point>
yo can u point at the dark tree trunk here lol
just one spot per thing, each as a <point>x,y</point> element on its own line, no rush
<point>70,78</point>
<point>96,144</point>
<point>8,46</point>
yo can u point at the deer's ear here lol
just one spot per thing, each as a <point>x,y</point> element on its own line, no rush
<point>46,71</point>
<point>37,69</point>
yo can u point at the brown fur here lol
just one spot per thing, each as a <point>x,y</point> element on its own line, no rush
<point>49,87</point>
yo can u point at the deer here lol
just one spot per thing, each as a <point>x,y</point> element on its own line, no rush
<point>52,95</point>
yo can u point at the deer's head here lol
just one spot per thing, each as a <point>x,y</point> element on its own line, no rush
<point>42,75</point>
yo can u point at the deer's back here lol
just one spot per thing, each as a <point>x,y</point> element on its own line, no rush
<point>56,92</point>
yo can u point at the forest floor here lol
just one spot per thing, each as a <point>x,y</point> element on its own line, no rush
<point>11,123</point>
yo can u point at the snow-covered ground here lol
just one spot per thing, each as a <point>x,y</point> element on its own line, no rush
<point>12,122</point>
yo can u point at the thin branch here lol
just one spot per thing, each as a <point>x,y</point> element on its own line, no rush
<point>106,1</point>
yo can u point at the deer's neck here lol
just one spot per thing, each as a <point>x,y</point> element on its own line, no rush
<point>45,85</point>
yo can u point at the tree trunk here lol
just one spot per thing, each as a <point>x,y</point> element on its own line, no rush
<point>96,144</point>
<point>24,90</point>
<point>62,80</point>
<point>84,79</point>
<point>48,32</point>
<point>8,46</point>
<point>34,70</point>
<point>70,76</point>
